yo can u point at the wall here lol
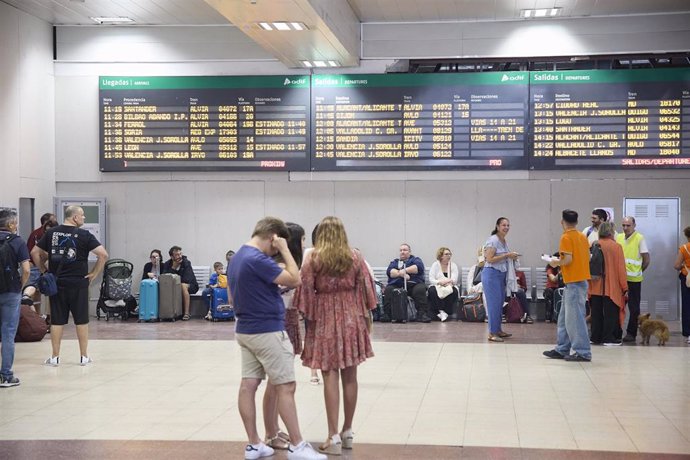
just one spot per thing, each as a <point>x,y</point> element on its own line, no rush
<point>27,133</point>
<point>209,213</point>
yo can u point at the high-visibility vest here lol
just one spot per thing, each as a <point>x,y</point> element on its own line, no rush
<point>633,258</point>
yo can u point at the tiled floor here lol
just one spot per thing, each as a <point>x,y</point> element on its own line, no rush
<point>432,391</point>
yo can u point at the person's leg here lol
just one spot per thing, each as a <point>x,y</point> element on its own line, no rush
<point>59,308</point>
<point>434,301</point>
<point>288,411</point>
<point>79,305</point>
<point>247,408</point>
<point>270,411</point>
<point>634,294</point>
<point>448,304</point>
<point>596,304</point>
<point>185,299</point>
<point>418,293</point>
<point>331,396</point>
<point>685,306</point>
<point>562,339</point>
<point>548,307</point>
<point>9,319</point>
<point>350,390</point>
<point>83,337</point>
<point>610,319</point>
<point>494,295</point>
<point>575,318</point>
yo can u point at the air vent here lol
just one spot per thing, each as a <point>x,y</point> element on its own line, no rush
<point>662,309</point>
<point>661,210</point>
<point>641,211</point>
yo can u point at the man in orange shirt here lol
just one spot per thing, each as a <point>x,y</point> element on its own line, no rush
<point>574,263</point>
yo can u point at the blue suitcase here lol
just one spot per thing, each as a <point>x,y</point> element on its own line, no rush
<point>148,301</point>
<point>221,310</point>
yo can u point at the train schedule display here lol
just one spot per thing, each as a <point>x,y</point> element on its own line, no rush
<point>204,123</point>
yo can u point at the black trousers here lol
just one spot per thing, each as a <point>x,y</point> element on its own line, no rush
<point>417,291</point>
<point>548,299</point>
<point>446,304</point>
<point>605,320</point>
<point>685,306</point>
<point>634,294</point>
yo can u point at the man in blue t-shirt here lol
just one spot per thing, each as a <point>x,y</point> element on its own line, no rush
<point>253,279</point>
<point>17,256</point>
<point>406,271</point>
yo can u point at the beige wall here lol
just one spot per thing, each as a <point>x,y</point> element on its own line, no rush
<point>27,134</point>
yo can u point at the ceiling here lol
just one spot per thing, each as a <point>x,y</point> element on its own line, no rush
<point>198,12</point>
<point>334,25</point>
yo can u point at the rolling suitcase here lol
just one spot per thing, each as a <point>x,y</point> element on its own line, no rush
<point>169,297</point>
<point>148,300</point>
<point>221,310</point>
<point>399,305</point>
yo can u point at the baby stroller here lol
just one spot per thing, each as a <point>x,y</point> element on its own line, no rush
<point>116,299</point>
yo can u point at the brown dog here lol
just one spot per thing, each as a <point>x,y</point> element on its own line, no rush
<point>649,327</point>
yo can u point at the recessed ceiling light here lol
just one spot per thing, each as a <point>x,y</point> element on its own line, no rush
<point>283,26</point>
<point>541,13</point>
<point>307,64</point>
<point>320,63</point>
<point>111,20</point>
<point>333,63</point>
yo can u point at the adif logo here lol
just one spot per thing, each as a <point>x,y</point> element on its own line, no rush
<point>518,77</point>
<point>296,81</point>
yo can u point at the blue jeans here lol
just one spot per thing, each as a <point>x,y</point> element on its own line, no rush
<point>572,327</point>
<point>9,320</point>
<point>494,286</point>
<point>34,275</point>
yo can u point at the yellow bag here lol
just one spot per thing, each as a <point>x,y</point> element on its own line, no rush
<point>223,281</point>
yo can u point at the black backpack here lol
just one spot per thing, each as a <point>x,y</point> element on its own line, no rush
<point>8,264</point>
<point>596,261</point>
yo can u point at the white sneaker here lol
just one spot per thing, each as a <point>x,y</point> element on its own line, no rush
<point>443,315</point>
<point>252,452</point>
<point>304,452</point>
<point>85,360</point>
<point>688,339</point>
<point>52,361</point>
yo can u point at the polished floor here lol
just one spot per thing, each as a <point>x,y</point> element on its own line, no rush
<point>168,391</point>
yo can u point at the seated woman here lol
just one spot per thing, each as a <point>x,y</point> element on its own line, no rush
<point>521,295</point>
<point>152,269</point>
<point>443,280</point>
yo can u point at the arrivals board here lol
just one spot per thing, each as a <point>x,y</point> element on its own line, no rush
<point>419,122</point>
<point>204,123</point>
<point>610,119</point>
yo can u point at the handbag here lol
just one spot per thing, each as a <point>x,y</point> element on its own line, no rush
<point>513,310</point>
<point>477,275</point>
<point>47,284</point>
<point>444,291</point>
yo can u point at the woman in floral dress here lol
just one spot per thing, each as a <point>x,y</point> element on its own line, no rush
<point>335,297</point>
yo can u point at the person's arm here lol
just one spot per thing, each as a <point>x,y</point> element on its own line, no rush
<point>434,273</point>
<point>645,260</point>
<point>678,264</point>
<point>491,257</point>
<point>289,277</point>
<point>414,268</point>
<point>39,258</point>
<point>566,259</point>
<point>102,257</point>
<point>26,270</point>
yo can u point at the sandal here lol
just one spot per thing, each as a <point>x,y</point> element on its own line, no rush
<point>347,438</point>
<point>314,380</point>
<point>186,317</point>
<point>495,338</point>
<point>332,446</point>
<point>504,335</point>
<point>280,441</point>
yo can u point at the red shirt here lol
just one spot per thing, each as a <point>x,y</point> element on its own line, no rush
<point>34,237</point>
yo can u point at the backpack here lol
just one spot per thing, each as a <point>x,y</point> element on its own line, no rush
<point>8,264</point>
<point>596,261</point>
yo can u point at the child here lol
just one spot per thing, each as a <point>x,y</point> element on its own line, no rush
<point>217,280</point>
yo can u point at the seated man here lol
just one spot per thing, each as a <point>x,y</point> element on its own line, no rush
<point>521,295</point>
<point>180,265</point>
<point>410,268</point>
<point>218,279</point>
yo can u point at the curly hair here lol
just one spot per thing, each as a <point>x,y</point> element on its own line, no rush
<point>332,249</point>
<point>440,251</point>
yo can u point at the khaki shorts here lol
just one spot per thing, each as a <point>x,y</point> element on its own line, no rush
<point>267,354</point>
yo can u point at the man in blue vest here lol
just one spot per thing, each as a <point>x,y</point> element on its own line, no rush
<point>636,261</point>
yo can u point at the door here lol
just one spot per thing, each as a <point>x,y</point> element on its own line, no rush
<point>658,219</point>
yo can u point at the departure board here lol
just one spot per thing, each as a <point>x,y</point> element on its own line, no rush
<point>419,122</point>
<point>204,123</point>
<point>610,119</point>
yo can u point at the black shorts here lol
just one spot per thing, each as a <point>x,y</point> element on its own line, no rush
<point>72,299</point>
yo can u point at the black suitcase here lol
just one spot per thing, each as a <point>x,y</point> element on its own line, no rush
<point>399,305</point>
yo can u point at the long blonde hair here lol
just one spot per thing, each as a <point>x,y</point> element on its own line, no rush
<point>332,249</point>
